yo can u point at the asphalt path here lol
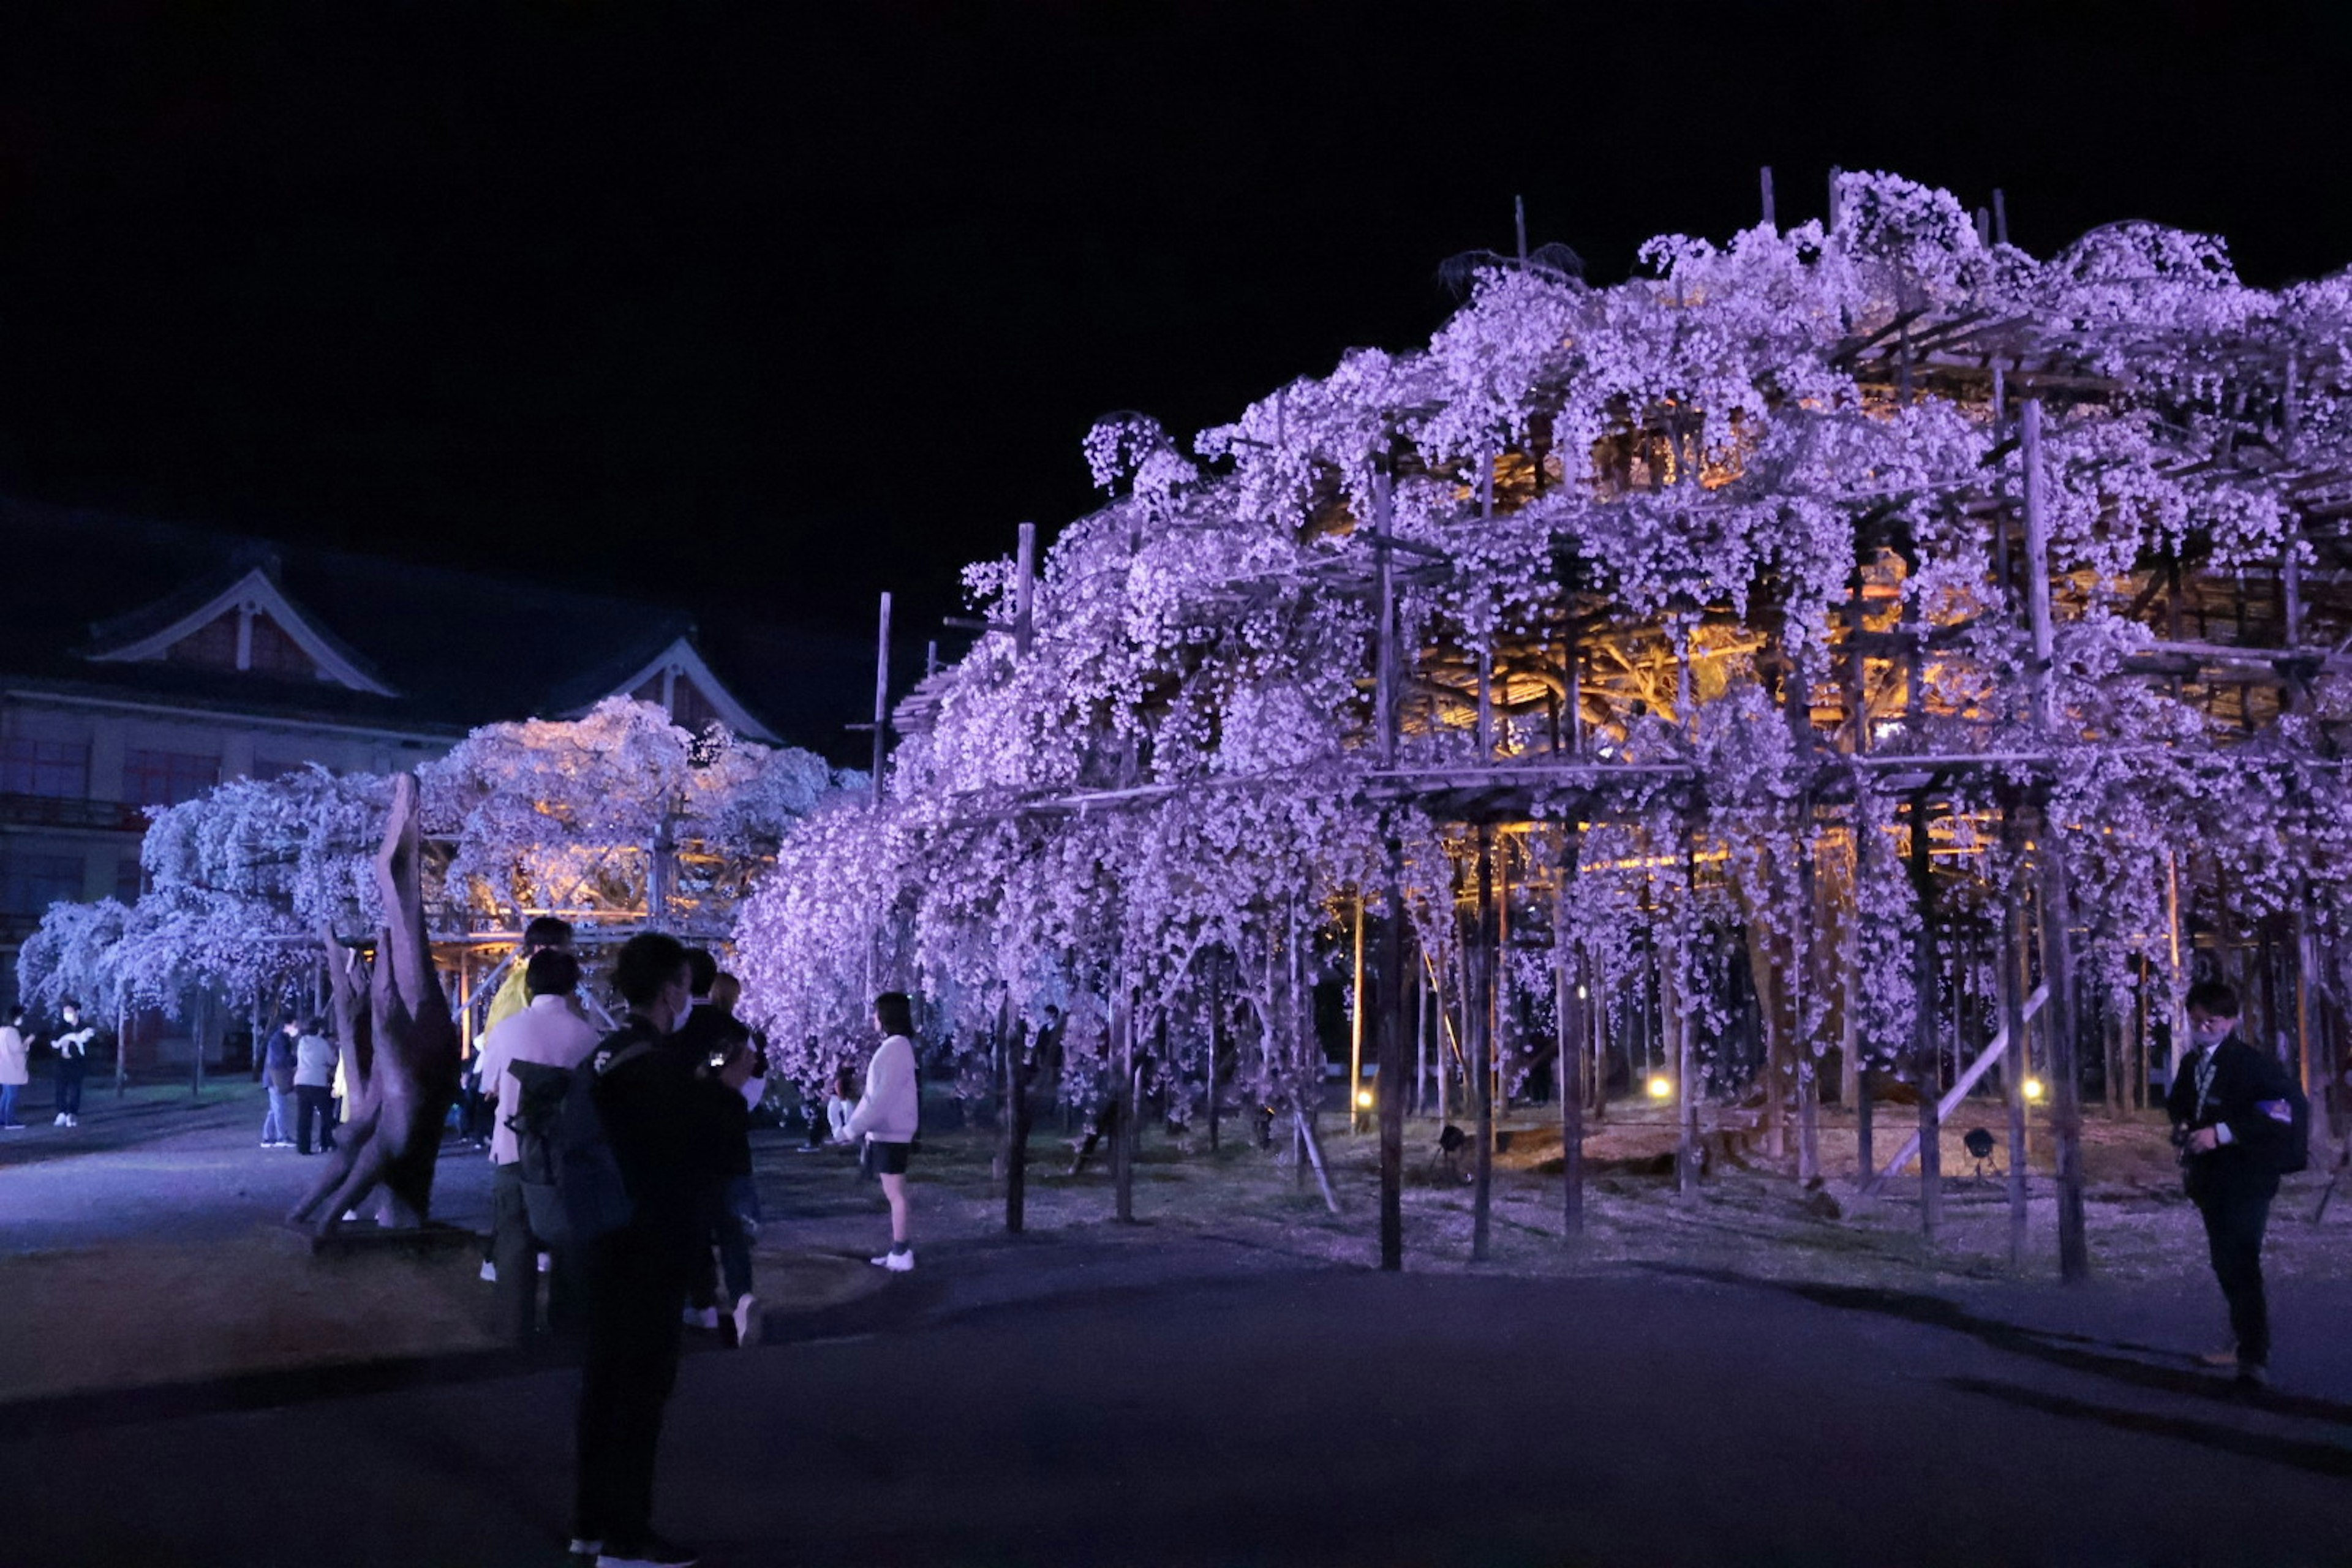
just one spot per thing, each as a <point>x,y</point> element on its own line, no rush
<point>1113,1415</point>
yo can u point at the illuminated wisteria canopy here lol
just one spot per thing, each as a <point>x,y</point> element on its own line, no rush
<point>1839,648</point>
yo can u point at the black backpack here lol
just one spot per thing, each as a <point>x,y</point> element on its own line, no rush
<point>572,1185</point>
<point>2291,1152</point>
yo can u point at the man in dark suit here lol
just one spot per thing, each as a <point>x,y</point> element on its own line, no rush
<point>2231,1118</point>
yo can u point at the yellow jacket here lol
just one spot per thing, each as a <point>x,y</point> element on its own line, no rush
<point>513,996</point>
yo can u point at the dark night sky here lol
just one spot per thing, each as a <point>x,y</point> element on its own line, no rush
<point>757,313</point>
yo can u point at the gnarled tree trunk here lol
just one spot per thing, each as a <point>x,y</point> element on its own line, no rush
<point>400,1051</point>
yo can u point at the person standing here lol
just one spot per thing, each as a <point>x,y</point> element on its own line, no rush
<point>314,1081</point>
<point>888,1117</point>
<point>2232,1115</point>
<point>277,1080</point>
<point>14,1074</point>
<point>72,1043</point>
<point>653,1106</point>
<point>549,1032</point>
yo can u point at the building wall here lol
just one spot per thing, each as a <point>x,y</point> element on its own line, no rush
<point>134,758</point>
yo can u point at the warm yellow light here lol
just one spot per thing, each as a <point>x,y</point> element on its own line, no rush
<point>1364,1098</point>
<point>2033,1088</point>
<point>1662,1088</point>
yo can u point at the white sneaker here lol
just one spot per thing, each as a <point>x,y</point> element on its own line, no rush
<point>490,1276</point>
<point>585,1552</point>
<point>73,1120</point>
<point>62,1119</point>
<point>895,1262</point>
<point>746,1320</point>
<point>545,1263</point>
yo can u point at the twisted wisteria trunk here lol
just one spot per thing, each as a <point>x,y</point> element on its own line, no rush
<point>400,1050</point>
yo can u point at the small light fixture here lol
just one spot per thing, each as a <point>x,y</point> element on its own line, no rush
<point>1363,1099</point>
<point>1661,1087</point>
<point>2033,1088</point>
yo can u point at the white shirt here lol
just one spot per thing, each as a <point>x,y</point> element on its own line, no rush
<point>548,1032</point>
<point>890,1112</point>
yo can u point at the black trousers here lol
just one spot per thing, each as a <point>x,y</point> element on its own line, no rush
<point>71,1070</point>
<point>2234,1222</point>
<point>310,1109</point>
<point>515,1252</point>
<point>636,1298</point>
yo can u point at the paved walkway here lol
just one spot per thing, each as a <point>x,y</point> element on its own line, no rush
<point>1331,1417</point>
<point>1155,1395</point>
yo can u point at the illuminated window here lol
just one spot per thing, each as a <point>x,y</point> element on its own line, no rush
<point>167,778</point>
<point>212,645</point>
<point>275,653</point>
<point>29,884</point>
<point>59,769</point>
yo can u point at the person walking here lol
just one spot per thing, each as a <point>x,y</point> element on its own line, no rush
<point>888,1117</point>
<point>715,1035</point>
<point>654,1107</point>
<point>73,1041</point>
<point>277,1080</point>
<point>314,1081</point>
<point>2232,1116</point>
<point>14,1073</point>
<point>549,1032</point>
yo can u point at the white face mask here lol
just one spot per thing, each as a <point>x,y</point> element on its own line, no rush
<point>2209,1032</point>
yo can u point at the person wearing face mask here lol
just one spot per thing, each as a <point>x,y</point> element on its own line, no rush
<point>2232,1112</point>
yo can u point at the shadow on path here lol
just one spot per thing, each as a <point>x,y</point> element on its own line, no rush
<point>902,1302</point>
<point>2320,1458</point>
<point>2069,1350</point>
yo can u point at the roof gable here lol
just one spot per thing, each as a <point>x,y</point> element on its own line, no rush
<point>679,669</point>
<point>252,601</point>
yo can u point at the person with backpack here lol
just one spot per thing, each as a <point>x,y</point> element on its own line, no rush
<point>547,1031</point>
<point>651,1106</point>
<point>2234,1119</point>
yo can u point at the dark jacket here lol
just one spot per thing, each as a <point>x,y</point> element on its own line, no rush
<point>706,1030</point>
<point>2249,1095</point>
<point>278,1062</point>
<point>658,1119</point>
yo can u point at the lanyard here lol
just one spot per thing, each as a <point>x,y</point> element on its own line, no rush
<point>2205,1078</point>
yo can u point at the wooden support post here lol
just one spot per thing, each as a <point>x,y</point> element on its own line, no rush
<point>1024,592</point>
<point>1674,1020</point>
<point>1771,219</point>
<point>1389,1077</point>
<point>1216,1025</point>
<point>2037,567</point>
<point>1122,1144</point>
<point>1999,217</point>
<point>1356,1024</point>
<point>122,1051</point>
<point>1009,1030</point>
<point>881,697</point>
<point>1480,1010</point>
<point>1385,663</point>
<point>1569,1011</point>
<point>1926,1049</point>
<point>2011,941</point>
<point>2066,1069</point>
